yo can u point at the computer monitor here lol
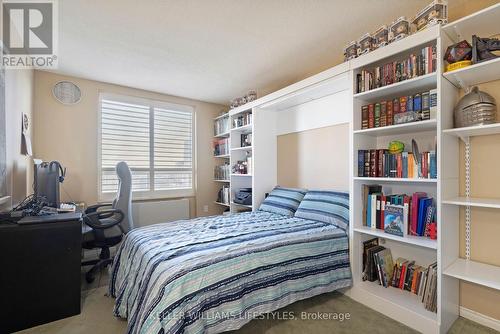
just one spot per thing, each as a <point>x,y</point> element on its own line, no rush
<point>47,178</point>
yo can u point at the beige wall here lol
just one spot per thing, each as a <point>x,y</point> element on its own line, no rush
<point>18,100</point>
<point>315,159</point>
<point>69,134</point>
<point>485,227</point>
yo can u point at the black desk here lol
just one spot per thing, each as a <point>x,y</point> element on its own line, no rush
<point>39,272</point>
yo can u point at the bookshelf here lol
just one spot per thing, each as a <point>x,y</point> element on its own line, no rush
<point>222,132</point>
<point>401,305</point>
<point>454,267</point>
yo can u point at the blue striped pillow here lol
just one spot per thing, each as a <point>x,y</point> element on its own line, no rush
<point>325,206</point>
<point>283,201</point>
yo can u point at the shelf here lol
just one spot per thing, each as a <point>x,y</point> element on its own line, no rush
<point>483,23</point>
<point>476,130</point>
<point>223,181</point>
<point>403,45</point>
<point>242,175</point>
<point>222,204</point>
<point>412,240</point>
<point>402,298</point>
<point>222,156</point>
<point>247,148</point>
<point>242,205</point>
<point>475,74</point>
<point>222,135</point>
<point>423,82</point>
<point>222,116</point>
<point>393,179</point>
<point>421,126</point>
<point>475,272</point>
<point>244,129</point>
<point>477,202</point>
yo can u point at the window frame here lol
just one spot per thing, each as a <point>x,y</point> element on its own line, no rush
<point>150,194</point>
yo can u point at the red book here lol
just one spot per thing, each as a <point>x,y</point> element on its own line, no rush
<point>382,211</point>
<point>399,165</point>
<point>371,116</point>
<point>390,114</point>
<point>403,275</point>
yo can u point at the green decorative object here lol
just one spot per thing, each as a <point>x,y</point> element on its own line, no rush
<point>396,146</point>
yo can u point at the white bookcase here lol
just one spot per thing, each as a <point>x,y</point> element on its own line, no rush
<point>397,304</point>
<point>223,158</point>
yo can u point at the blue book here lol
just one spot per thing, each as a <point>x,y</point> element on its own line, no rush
<point>423,204</point>
<point>394,219</point>
<point>361,163</point>
<point>405,164</point>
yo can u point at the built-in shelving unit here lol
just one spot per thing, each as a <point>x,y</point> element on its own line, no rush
<point>222,132</point>
<point>398,304</point>
<point>484,24</point>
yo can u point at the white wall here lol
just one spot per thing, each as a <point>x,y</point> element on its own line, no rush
<point>18,100</point>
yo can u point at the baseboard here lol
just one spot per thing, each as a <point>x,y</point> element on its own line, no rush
<point>480,318</point>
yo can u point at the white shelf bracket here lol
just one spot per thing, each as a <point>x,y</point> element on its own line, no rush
<point>467,195</point>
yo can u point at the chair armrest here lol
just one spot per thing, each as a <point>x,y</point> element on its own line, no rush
<point>94,208</point>
<point>93,219</point>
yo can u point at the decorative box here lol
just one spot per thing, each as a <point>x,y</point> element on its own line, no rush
<point>399,29</point>
<point>405,117</point>
<point>381,37</point>
<point>351,51</point>
<point>365,44</point>
<point>435,13</point>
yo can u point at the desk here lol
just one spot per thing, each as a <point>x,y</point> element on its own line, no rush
<point>40,272</point>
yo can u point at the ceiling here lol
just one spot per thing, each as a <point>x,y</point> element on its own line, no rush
<point>214,50</point>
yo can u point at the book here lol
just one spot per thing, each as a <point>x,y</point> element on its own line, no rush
<point>432,105</point>
<point>371,116</point>
<point>364,117</point>
<point>414,211</point>
<point>367,245</point>
<point>394,219</point>
<point>368,190</point>
<point>370,272</point>
<point>423,204</point>
<point>361,162</point>
<point>383,113</point>
<point>386,265</point>
<point>390,113</point>
<point>377,115</point>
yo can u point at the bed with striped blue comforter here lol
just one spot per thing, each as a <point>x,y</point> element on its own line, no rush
<point>214,274</point>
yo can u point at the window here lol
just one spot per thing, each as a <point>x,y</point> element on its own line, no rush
<point>154,138</point>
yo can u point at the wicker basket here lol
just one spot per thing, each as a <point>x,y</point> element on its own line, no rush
<point>475,108</point>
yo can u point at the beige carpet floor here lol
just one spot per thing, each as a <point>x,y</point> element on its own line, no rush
<point>97,318</point>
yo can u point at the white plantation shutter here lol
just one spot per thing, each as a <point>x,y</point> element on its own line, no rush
<point>154,138</point>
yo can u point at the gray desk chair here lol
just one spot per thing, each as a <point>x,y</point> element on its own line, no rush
<point>105,224</point>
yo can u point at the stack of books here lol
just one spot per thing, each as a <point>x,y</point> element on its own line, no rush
<point>403,274</point>
<point>224,195</point>
<point>381,163</point>
<point>413,66</point>
<point>400,214</point>
<point>382,113</point>
<point>221,146</point>
<point>222,172</point>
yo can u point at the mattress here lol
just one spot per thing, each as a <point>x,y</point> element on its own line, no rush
<point>214,274</point>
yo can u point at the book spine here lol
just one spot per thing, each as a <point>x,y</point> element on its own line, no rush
<point>364,117</point>
<point>377,115</point>
<point>371,116</point>
<point>361,163</point>
<point>390,113</point>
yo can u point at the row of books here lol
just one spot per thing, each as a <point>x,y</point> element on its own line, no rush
<point>221,125</point>
<point>222,172</point>
<point>381,163</point>
<point>221,146</point>
<point>415,65</point>
<point>399,214</point>
<point>403,274</point>
<point>385,113</point>
<point>224,195</point>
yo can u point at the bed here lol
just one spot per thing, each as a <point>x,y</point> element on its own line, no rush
<point>214,274</point>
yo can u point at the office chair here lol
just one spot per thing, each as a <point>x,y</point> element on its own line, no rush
<point>105,224</point>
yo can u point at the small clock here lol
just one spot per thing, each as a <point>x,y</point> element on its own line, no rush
<point>67,92</point>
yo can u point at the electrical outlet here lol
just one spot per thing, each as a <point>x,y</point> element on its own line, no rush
<point>205,208</point>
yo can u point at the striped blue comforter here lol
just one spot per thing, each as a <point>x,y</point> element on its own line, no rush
<point>214,274</point>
